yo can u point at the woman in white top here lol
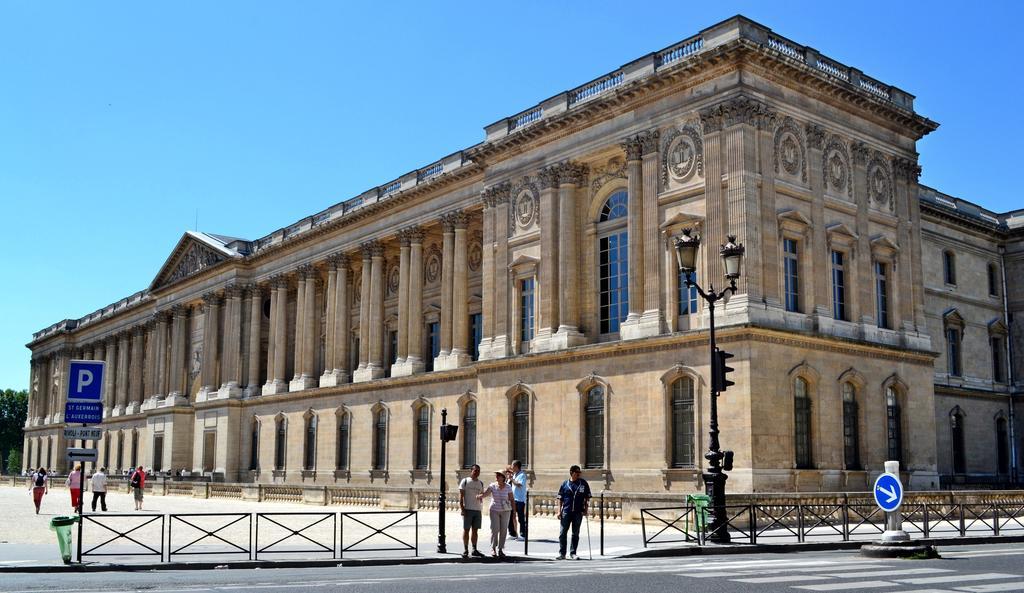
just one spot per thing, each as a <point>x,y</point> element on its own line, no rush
<point>501,508</point>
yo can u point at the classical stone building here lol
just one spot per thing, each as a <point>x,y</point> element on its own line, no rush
<point>528,285</point>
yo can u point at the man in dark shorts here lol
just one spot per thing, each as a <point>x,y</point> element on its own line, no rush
<point>469,488</point>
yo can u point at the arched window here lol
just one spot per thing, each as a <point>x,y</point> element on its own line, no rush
<point>521,428</point>
<point>613,272</point>
<point>280,441</point>
<point>949,267</point>
<point>802,425</point>
<point>1002,447</point>
<point>683,437</point>
<point>309,450</point>
<point>469,434</point>
<point>380,439</point>
<point>851,432</point>
<point>593,413</point>
<point>893,425</point>
<point>254,446</point>
<point>344,430</point>
<point>423,437</point>
<point>956,425</point>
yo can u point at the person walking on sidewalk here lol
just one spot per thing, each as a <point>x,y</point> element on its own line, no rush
<point>518,482</point>
<point>501,510</point>
<point>39,484</point>
<point>138,484</point>
<point>470,494</point>
<point>573,497</point>
<point>74,484</point>
<point>99,489</point>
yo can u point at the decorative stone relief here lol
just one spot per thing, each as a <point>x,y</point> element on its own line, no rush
<point>880,188</point>
<point>615,168</point>
<point>835,165</point>
<point>525,205</point>
<point>476,251</point>
<point>195,259</point>
<point>790,151</point>
<point>393,280</point>
<point>357,288</point>
<point>682,155</point>
<point>432,265</point>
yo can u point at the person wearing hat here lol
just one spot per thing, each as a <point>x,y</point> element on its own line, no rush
<point>573,497</point>
<point>502,503</point>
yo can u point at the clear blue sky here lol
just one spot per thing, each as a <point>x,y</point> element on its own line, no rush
<point>120,120</point>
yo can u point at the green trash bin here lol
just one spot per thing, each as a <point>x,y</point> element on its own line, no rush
<point>700,503</point>
<point>62,527</point>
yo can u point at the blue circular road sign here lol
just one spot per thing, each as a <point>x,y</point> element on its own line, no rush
<point>888,492</point>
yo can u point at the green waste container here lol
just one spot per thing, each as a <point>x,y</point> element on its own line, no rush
<point>62,527</point>
<point>700,503</point>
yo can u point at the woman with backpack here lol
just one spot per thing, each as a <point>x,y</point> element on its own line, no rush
<point>138,484</point>
<point>39,484</point>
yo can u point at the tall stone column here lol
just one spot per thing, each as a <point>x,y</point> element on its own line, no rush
<point>863,281</point>
<point>121,401</point>
<point>305,333</point>
<point>43,379</point>
<point>177,391</point>
<point>653,319</point>
<point>819,296</point>
<point>33,398</point>
<point>300,328</point>
<point>110,377</point>
<point>630,328</point>
<point>255,296</point>
<point>231,360</point>
<point>59,395</point>
<point>156,347</point>
<point>99,352</point>
<point>572,175</point>
<point>413,320</point>
<point>338,322</point>
<point>403,301</point>
<point>500,344</point>
<point>487,277</point>
<point>447,275</point>
<point>460,355</point>
<point>135,371</point>
<point>547,319</point>
<point>163,320</point>
<point>364,309</point>
<point>211,339</point>
<point>149,359</point>
<point>716,221</point>
<point>280,322</point>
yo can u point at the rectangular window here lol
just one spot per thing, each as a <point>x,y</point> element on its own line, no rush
<point>949,267</point>
<point>614,281</point>
<point>687,296</point>
<point>158,453</point>
<point>791,269</point>
<point>469,436</point>
<point>209,450</point>
<point>953,351</point>
<point>254,447</point>
<point>882,294</point>
<point>392,348</point>
<point>851,445</point>
<point>998,370</point>
<point>342,461</point>
<point>433,344</point>
<point>993,283</point>
<point>476,334</point>
<point>526,310</point>
<point>802,415</point>
<point>839,285</point>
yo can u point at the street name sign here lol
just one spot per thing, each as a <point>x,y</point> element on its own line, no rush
<point>85,381</point>
<point>83,413</point>
<point>75,454</point>
<point>888,492</point>
<point>73,433</point>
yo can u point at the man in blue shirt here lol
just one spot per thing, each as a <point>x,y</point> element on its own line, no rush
<point>518,480</point>
<point>573,497</point>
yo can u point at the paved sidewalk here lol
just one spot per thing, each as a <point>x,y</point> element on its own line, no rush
<point>26,539</point>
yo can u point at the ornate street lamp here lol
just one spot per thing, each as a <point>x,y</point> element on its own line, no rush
<point>719,461</point>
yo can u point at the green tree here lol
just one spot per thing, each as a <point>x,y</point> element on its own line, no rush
<point>14,462</point>
<point>13,411</point>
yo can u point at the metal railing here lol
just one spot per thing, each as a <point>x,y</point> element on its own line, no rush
<point>122,535</point>
<point>207,543</point>
<point>310,520</point>
<point>377,530</point>
<point>798,523</point>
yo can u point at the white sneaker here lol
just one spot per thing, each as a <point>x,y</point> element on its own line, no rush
<point>520,538</point>
<point>574,557</point>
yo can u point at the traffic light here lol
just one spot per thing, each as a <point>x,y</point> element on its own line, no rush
<point>720,371</point>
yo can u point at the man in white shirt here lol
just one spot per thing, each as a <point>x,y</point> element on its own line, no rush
<point>469,489</point>
<point>99,489</point>
<point>518,481</point>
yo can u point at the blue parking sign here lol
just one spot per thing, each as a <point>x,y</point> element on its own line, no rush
<point>888,492</point>
<point>85,381</point>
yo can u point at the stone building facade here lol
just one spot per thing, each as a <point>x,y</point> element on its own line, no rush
<point>528,285</point>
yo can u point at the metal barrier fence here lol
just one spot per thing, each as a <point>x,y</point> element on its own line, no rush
<point>754,523</point>
<point>251,535</point>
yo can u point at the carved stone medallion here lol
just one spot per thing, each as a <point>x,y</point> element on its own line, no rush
<point>878,184</point>
<point>789,154</point>
<point>393,280</point>
<point>476,254</point>
<point>836,167</point>
<point>836,171</point>
<point>357,288</point>
<point>525,209</point>
<point>789,150</point>
<point>432,269</point>
<point>684,157</point>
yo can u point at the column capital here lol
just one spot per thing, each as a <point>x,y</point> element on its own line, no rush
<point>162,316</point>
<point>906,169</point>
<point>573,174</point>
<point>234,290</point>
<point>815,136</point>
<point>179,310</point>
<point>305,272</point>
<point>454,220</point>
<point>212,299</point>
<point>548,176</point>
<point>413,234</point>
<point>139,330</point>
<point>336,261</point>
<point>496,194</point>
<point>278,281</point>
<point>649,141</point>
<point>124,335</point>
<point>368,248</point>
<point>736,110</point>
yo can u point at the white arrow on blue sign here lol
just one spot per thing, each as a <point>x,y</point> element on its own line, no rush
<point>888,492</point>
<point>85,381</point>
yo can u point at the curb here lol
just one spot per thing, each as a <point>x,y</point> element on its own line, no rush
<point>716,550</point>
<point>250,564</point>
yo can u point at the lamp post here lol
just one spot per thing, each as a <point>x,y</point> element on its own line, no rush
<point>718,461</point>
<point>448,433</point>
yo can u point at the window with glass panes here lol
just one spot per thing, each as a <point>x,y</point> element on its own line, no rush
<point>526,309</point>
<point>956,424</point>
<point>613,272</point>
<point>254,447</point>
<point>839,285</point>
<point>687,295</point>
<point>953,351</point>
<point>423,437</point>
<point>593,413</point>
<point>469,435</point>
<point>791,271</point>
<point>949,267</point>
<point>802,424</point>
<point>882,294</point>
<point>280,438</point>
<point>344,427</point>
<point>893,425</point>
<point>998,369</point>
<point>993,280</point>
<point>521,428</point>
<point>851,434</point>
<point>380,440</point>
<point>433,344</point>
<point>392,347</point>
<point>476,334</point>
<point>309,452</point>
<point>683,433</point>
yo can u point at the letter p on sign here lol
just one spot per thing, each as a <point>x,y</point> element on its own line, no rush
<point>85,381</point>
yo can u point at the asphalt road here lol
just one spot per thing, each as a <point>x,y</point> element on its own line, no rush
<point>975,569</point>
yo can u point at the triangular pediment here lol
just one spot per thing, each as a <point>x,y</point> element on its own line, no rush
<point>194,253</point>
